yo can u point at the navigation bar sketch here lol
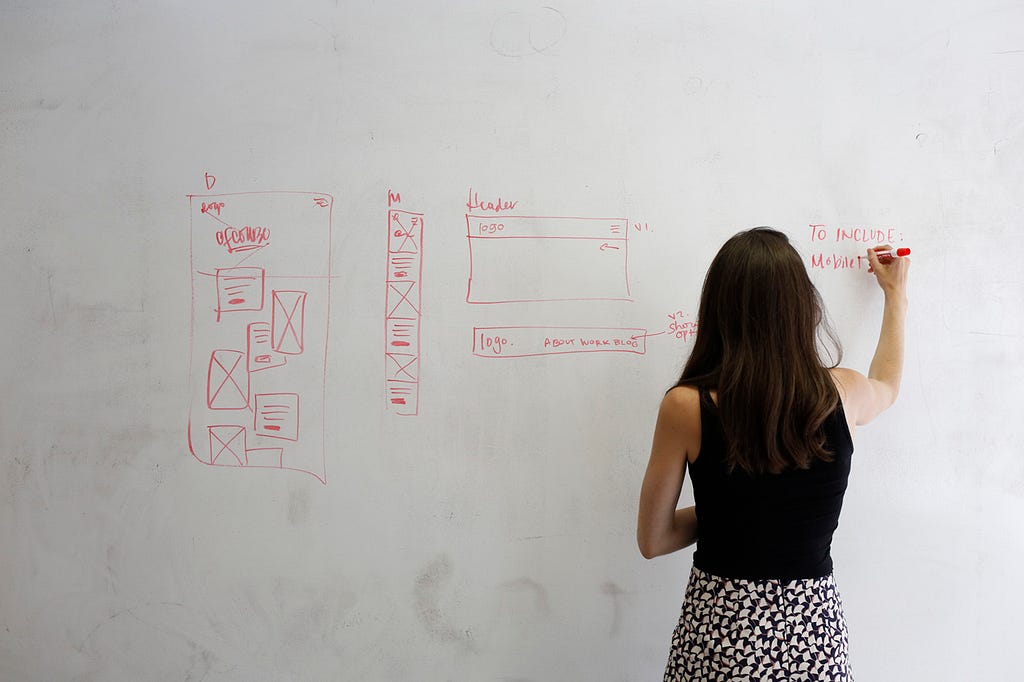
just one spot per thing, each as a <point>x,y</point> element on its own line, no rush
<point>515,258</point>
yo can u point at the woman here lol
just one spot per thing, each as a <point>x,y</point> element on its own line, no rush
<point>766,430</point>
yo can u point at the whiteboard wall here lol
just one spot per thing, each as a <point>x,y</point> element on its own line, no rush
<point>222,221</point>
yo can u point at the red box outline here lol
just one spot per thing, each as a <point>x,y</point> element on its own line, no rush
<point>641,333</point>
<point>624,239</point>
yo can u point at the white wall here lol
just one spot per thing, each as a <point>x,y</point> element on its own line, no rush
<point>489,537</point>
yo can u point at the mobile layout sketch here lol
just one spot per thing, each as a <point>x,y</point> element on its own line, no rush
<point>261,275</point>
<point>516,258</point>
<point>403,302</point>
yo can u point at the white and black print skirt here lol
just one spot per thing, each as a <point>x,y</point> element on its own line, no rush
<point>760,631</point>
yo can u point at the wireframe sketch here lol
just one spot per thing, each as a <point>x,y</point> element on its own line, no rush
<point>260,302</point>
<point>226,440</point>
<point>521,342</point>
<point>286,321</point>
<point>403,302</point>
<point>239,289</point>
<point>545,258</point>
<point>260,352</point>
<point>277,415</point>
<point>227,382</point>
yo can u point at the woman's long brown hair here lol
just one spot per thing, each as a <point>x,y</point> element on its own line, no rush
<point>756,345</point>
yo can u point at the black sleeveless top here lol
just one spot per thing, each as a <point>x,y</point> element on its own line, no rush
<point>760,526</point>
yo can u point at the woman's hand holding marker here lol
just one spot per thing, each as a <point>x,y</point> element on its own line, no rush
<point>890,267</point>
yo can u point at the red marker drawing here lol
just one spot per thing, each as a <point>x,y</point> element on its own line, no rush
<point>886,256</point>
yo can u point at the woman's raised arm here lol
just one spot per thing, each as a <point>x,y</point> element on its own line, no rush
<point>867,397</point>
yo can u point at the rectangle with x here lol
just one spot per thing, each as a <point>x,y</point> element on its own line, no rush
<point>227,439</point>
<point>288,316</point>
<point>227,381</point>
<point>402,366</point>
<point>399,305</point>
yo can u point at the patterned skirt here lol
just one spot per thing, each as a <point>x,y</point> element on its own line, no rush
<point>760,631</point>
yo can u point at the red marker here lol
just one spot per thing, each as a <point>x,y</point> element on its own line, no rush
<point>886,256</point>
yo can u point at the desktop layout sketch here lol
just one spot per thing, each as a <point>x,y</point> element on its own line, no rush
<point>261,279</point>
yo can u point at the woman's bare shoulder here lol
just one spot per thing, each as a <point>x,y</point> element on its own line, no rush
<point>848,381</point>
<point>844,377</point>
<point>683,399</point>
<point>681,409</point>
<point>851,385</point>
